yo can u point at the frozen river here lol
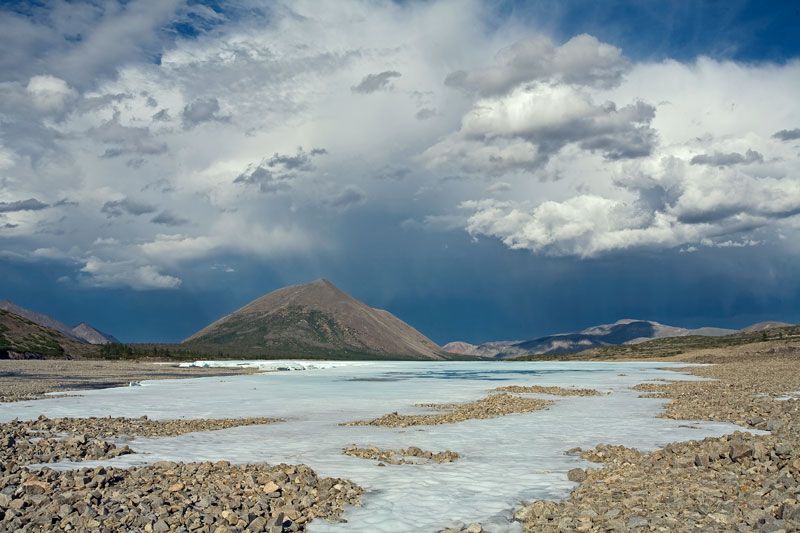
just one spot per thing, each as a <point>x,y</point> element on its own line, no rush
<point>503,460</point>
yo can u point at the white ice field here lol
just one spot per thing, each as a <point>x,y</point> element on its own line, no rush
<point>503,461</point>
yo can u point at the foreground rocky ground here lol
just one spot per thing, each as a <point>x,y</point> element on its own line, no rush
<point>32,379</point>
<point>214,497</point>
<point>489,407</point>
<point>740,482</point>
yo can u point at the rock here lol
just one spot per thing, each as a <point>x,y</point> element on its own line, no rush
<point>474,528</point>
<point>740,450</point>
<point>637,521</point>
<point>577,474</point>
<point>270,487</point>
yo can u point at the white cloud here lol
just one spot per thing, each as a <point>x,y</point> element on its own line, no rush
<point>50,93</point>
<point>583,60</point>
<point>99,273</point>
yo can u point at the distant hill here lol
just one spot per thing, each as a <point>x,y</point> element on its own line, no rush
<point>83,332</point>
<point>626,331</point>
<point>21,338</point>
<point>93,335</point>
<point>313,319</point>
<point>762,326</point>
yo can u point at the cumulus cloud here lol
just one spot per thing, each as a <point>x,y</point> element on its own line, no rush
<point>527,127</point>
<point>31,204</point>
<point>371,83</point>
<point>50,93</point>
<point>583,60</point>
<point>117,208</point>
<point>677,205</point>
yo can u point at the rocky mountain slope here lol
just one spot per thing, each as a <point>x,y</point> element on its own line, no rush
<point>21,338</point>
<point>627,331</point>
<point>83,332</point>
<point>315,318</point>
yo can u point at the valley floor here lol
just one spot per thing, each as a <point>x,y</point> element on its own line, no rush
<point>745,481</point>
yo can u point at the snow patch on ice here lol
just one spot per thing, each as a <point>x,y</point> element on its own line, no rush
<point>276,365</point>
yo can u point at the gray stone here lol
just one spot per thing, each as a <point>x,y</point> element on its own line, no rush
<point>577,474</point>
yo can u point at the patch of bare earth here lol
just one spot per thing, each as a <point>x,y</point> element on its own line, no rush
<point>491,406</point>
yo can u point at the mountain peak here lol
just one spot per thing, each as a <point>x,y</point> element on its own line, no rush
<point>312,319</point>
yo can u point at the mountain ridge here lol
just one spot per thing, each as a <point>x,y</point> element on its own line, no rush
<point>623,331</point>
<point>83,332</point>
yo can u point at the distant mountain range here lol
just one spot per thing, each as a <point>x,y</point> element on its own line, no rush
<point>627,331</point>
<point>313,319</point>
<point>83,332</point>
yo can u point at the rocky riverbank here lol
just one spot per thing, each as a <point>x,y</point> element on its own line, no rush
<point>32,379</point>
<point>405,456</point>
<point>491,406</point>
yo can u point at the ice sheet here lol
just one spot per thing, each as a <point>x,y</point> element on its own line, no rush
<point>504,460</point>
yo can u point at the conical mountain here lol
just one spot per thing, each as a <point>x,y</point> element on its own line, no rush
<point>313,319</point>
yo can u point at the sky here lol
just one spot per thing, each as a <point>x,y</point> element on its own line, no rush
<point>485,170</point>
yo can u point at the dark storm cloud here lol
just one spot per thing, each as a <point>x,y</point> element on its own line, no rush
<point>126,140</point>
<point>347,197</point>
<point>425,113</point>
<point>168,219</point>
<point>31,204</point>
<point>719,159</point>
<point>376,82</point>
<point>300,161</point>
<point>787,135</point>
<point>202,110</point>
<point>275,173</point>
<point>116,208</point>
<point>161,116</point>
